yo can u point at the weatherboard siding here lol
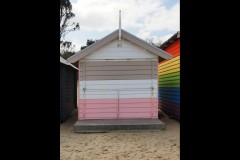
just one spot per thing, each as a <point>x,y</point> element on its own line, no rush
<point>137,70</point>
<point>68,95</point>
<point>126,108</point>
<point>173,49</point>
<point>169,81</point>
<point>118,83</point>
<point>131,98</point>
<point>127,50</point>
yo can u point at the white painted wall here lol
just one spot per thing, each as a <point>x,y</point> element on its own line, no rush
<point>127,89</point>
<point>127,50</point>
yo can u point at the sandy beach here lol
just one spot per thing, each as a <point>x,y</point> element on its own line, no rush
<point>120,145</point>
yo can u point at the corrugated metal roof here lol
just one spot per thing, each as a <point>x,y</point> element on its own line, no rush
<point>170,40</point>
<point>63,61</point>
<point>128,36</point>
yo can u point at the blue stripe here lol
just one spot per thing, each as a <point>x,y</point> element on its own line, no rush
<point>176,89</point>
<point>169,93</point>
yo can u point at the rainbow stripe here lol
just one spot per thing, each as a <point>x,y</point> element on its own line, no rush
<point>169,86</point>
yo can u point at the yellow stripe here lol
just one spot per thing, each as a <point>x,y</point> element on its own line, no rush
<point>169,68</point>
<point>169,61</point>
<point>168,65</point>
<point>171,71</point>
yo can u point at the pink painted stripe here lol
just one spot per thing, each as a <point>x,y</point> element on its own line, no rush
<point>139,100</point>
<point>98,116</point>
<point>113,116</point>
<point>108,108</point>
<point>100,105</point>
<point>125,100</point>
<point>105,110</point>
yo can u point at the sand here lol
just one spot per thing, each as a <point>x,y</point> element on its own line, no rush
<point>120,145</point>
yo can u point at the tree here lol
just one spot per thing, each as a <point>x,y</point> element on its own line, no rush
<point>157,44</point>
<point>89,42</point>
<point>67,50</point>
<point>67,54</point>
<point>65,26</point>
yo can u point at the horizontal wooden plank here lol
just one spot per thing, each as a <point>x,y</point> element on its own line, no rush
<point>107,88</point>
<point>98,105</point>
<point>175,50</point>
<point>98,115</point>
<point>169,90</point>
<point>126,72</point>
<point>170,64</point>
<point>176,81</point>
<point>173,45</point>
<point>99,110</point>
<point>168,103</point>
<point>121,55</point>
<point>138,105</point>
<point>138,100</point>
<point>170,100</point>
<point>169,79</point>
<point>135,110</point>
<point>121,92</point>
<point>128,50</point>
<point>175,97</point>
<point>170,71</point>
<point>116,68</point>
<point>118,63</point>
<point>174,74</point>
<point>169,93</point>
<point>120,101</point>
<point>134,106</point>
<point>98,101</point>
<point>87,96</point>
<point>170,107</point>
<point>169,61</point>
<point>119,82</point>
<point>136,115</point>
<point>168,86</point>
<point>119,77</point>
<point>169,68</point>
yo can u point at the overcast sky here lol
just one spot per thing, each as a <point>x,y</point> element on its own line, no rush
<point>157,19</point>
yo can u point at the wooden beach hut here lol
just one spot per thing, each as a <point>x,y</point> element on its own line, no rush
<point>169,78</point>
<point>118,78</point>
<point>118,81</point>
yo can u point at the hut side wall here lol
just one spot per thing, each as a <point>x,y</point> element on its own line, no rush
<point>169,81</point>
<point>68,93</point>
<point>118,83</point>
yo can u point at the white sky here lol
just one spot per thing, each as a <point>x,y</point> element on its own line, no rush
<point>156,19</point>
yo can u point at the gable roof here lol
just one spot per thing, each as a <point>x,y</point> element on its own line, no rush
<point>63,61</point>
<point>126,35</point>
<point>170,40</point>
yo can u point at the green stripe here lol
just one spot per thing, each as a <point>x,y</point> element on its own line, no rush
<point>168,85</point>
<point>169,75</point>
<point>170,82</point>
<point>168,78</point>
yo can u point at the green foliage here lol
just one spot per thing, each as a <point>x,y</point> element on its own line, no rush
<point>89,42</point>
<point>65,26</point>
<point>66,55</point>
